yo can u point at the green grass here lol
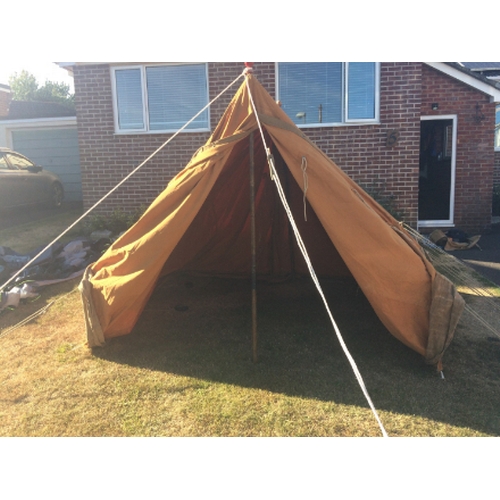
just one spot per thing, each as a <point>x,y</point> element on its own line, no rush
<point>27,237</point>
<point>190,372</point>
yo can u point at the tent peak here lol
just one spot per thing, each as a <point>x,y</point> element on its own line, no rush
<point>248,67</point>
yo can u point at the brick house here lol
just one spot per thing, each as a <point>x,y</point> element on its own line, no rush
<point>420,134</point>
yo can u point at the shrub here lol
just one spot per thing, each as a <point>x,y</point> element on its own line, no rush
<point>116,221</point>
<point>388,201</point>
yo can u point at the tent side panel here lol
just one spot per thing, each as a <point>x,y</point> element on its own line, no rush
<point>124,278</point>
<point>391,275</point>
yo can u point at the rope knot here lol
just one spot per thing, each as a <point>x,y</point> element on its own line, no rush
<point>270,160</point>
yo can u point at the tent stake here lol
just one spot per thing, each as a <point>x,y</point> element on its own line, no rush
<point>252,237</point>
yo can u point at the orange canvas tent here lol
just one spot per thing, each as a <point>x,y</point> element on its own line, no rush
<point>201,222</point>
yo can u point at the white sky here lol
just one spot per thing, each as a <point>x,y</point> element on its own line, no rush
<point>188,39</point>
<point>42,70</point>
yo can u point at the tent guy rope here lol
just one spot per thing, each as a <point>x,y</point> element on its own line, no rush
<point>459,273</point>
<point>35,315</point>
<point>279,187</point>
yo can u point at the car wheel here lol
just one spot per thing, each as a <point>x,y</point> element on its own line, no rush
<point>56,195</point>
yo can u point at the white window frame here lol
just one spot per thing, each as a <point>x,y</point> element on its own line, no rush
<point>145,111</point>
<point>345,120</point>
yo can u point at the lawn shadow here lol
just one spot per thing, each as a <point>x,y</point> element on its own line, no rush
<point>201,327</point>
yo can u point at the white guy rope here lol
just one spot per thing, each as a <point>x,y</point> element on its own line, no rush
<point>449,268</point>
<point>274,176</point>
<point>126,178</point>
<point>31,317</point>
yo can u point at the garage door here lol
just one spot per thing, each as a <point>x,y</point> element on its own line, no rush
<point>56,150</point>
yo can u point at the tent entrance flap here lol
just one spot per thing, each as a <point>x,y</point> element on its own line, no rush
<point>219,238</point>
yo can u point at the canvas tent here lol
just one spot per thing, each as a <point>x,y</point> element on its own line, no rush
<point>201,223</point>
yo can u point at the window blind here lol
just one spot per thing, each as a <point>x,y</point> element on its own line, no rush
<point>361,91</point>
<point>130,107</point>
<point>311,92</point>
<point>175,95</point>
<point>328,93</point>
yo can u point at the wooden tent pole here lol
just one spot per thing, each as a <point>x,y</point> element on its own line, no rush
<point>254,260</point>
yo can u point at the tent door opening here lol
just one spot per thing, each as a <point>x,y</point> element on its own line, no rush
<point>437,171</point>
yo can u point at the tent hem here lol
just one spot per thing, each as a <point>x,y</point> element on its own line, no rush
<point>95,334</point>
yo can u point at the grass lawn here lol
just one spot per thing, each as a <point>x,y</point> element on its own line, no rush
<point>186,369</point>
<point>30,236</point>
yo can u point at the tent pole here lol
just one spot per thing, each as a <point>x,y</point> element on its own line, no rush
<point>252,237</point>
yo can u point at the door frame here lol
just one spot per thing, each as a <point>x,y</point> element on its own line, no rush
<point>449,222</point>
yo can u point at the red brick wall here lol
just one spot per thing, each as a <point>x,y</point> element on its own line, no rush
<point>106,158</point>
<point>360,150</point>
<point>475,149</point>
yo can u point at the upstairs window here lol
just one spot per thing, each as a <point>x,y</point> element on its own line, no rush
<point>160,98</point>
<point>329,93</point>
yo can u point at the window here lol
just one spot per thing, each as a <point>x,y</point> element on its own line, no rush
<point>329,93</point>
<point>160,98</point>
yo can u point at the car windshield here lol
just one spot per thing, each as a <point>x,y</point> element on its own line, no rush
<point>18,161</point>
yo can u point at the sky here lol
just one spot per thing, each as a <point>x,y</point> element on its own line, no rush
<point>43,71</point>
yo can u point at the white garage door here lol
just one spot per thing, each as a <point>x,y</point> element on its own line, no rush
<point>56,150</point>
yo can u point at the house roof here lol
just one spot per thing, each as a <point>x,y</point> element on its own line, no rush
<point>24,110</point>
<point>489,70</point>
<point>475,73</point>
<point>472,78</point>
<point>482,66</point>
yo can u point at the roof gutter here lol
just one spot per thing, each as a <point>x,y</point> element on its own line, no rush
<point>37,122</point>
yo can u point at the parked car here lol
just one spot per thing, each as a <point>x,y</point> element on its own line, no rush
<point>22,182</point>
